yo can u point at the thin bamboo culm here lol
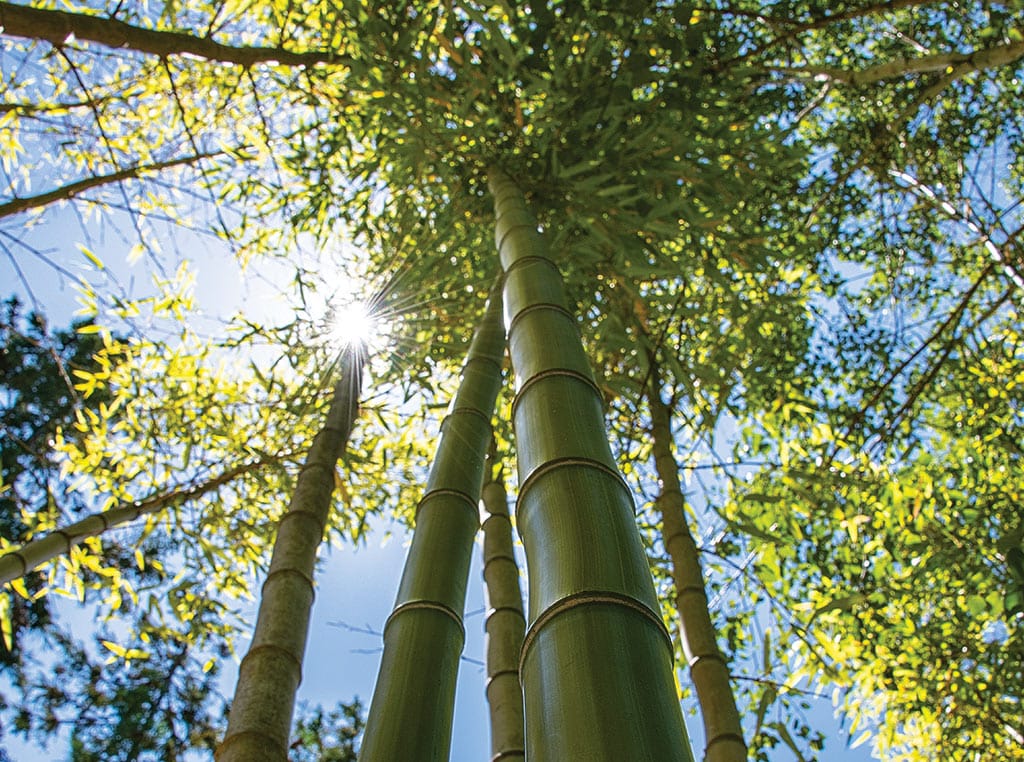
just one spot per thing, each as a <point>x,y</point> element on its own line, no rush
<point>19,561</point>
<point>709,671</point>
<point>597,661</point>
<point>268,677</point>
<point>505,623</point>
<point>410,716</point>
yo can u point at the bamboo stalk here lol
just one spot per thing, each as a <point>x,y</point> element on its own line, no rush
<point>261,712</point>
<point>17,562</point>
<point>597,661</point>
<point>505,624</point>
<point>413,702</point>
<point>709,670</point>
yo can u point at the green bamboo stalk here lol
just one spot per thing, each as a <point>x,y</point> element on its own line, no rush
<point>261,712</point>
<point>17,562</point>
<point>413,702</point>
<point>505,624</point>
<point>597,661</point>
<point>709,671</point>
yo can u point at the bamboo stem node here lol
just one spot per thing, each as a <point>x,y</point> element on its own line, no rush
<point>492,559</point>
<point>691,590</point>
<point>500,609</point>
<point>447,492</point>
<point>532,260</point>
<point>543,306</point>
<point>551,373</point>
<point>424,605</point>
<point>302,514</point>
<point>695,659</point>
<point>276,573</point>
<point>466,410</point>
<point>532,226</point>
<point>559,463</point>
<point>723,738</point>
<point>503,673</point>
<point>509,754</point>
<point>592,598</point>
<point>255,651</point>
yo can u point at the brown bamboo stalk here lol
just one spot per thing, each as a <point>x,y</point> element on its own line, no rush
<point>20,561</point>
<point>709,670</point>
<point>56,27</point>
<point>268,677</point>
<point>505,623</point>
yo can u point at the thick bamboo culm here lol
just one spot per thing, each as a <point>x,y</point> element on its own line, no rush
<point>505,624</point>
<point>268,677</point>
<point>410,716</point>
<point>709,670</point>
<point>597,661</point>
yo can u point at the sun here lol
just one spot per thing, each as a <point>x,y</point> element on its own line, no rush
<point>353,324</point>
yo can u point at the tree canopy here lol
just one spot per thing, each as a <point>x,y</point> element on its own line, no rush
<point>795,225</point>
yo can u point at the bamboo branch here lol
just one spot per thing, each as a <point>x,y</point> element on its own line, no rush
<point>933,197</point>
<point>20,561</point>
<point>57,27</point>
<point>975,60</point>
<point>71,190</point>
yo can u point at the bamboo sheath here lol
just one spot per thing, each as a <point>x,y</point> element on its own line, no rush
<point>410,715</point>
<point>597,661</point>
<point>505,625</point>
<point>709,670</point>
<point>261,712</point>
<point>17,562</point>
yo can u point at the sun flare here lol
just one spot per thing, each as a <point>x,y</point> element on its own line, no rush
<point>353,324</point>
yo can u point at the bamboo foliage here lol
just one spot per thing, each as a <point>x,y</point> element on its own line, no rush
<point>709,670</point>
<point>261,712</point>
<point>505,624</point>
<point>410,716</point>
<point>597,661</point>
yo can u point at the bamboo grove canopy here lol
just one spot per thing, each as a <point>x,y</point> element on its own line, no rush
<point>789,239</point>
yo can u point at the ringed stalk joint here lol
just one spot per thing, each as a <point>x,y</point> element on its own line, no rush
<point>553,465</point>
<point>467,410</point>
<point>500,557</point>
<point>690,590</point>
<point>425,605</point>
<point>532,259</point>
<point>543,306</point>
<point>290,570</point>
<point>552,372</point>
<point>443,491</point>
<point>590,598</point>
<point>272,648</point>
<point>500,673</point>
<point>696,659</point>
<point>501,756</point>
<point>724,737</point>
<point>512,229</point>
